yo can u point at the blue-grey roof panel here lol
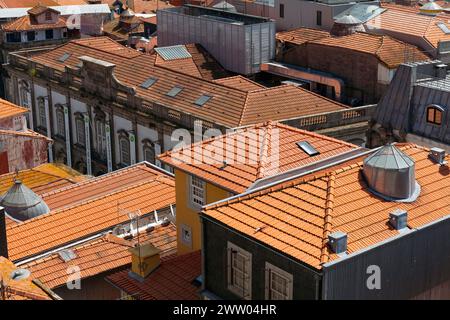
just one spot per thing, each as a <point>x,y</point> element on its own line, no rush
<point>173,52</point>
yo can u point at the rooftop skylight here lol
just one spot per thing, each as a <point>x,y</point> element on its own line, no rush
<point>174,91</point>
<point>148,83</point>
<point>307,148</point>
<point>204,98</point>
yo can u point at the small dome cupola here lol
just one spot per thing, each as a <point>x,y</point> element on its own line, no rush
<point>346,25</point>
<point>21,203</point>
<point>390,174</point>
<point>431,9</point>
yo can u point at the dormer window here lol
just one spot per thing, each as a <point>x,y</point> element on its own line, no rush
<point>434,115</point>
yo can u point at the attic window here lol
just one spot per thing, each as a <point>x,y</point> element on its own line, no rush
<point>202,100</point>
<point>307,148</point>
<point>64,57</point>
<point>434,115</point>
<point>174,91</point>
<point>443,27</point>
<point>148,83</point>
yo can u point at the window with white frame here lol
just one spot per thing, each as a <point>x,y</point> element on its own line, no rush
<point>239,271</point>
<point>186,235</point>
<point>81,134</point>
<point>124,148</point>
<point>60,121</point>
<point>279,283</point>
<point>197,191</point>
<point>41,112</point>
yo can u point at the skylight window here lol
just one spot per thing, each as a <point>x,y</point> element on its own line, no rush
<point>202,100</point>
<point>148,83</point>
<point>174,91</point>
<point>67,255</point>
<point>307,148</point>
<point>64,57</point>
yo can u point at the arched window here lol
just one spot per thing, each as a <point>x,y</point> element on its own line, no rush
<point>79,125</point>
<point>41,112</point>
<point>60,121</point>
<point>124,148</point>
<point>148,151</point>
<point>434,115</point>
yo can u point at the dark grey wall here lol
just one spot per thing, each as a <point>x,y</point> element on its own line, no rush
<point>306,282</point>
<point>416,264</point>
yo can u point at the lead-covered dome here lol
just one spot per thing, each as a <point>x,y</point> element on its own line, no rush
<point>391,173</point>
<point>21,203</point>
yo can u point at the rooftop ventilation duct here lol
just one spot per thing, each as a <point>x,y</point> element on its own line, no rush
<point>431,9</point>
<point>338,242</point>
<point>437,155</point>
<point>390,174</point>
<point>398,219</point>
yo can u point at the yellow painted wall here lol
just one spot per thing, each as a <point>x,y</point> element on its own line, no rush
<point>187,215</point>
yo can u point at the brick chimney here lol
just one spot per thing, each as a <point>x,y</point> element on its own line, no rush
<point>3,241</point>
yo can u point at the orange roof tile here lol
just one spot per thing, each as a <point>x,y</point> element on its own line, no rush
<point>8,109</point>
<point>301,35</point>
<point>26,3</point>
<point>256,163</point>
<point>229,107</point>
<point>100,255</point>
<point>296,217</point>
<point>91,215</point>
<point>388,50</point>
<point>43,178</point>
<point>398,20</point>
<point>240,82</point>
<point>23,289</point>
<point>27,133</point>
<point>172,280</point>
<point>26,23</point>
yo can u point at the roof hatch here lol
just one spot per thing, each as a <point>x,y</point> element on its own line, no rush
<point>174,91</point>
<point>307,148</point>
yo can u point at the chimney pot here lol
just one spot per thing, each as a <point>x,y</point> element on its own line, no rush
<point>338,242</point>
<point>398,219</point>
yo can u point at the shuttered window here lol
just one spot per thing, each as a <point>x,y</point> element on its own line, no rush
<point>239,271</point>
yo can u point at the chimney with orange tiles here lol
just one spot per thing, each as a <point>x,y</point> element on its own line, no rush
<point>3,240</point>
<point>144,260</point>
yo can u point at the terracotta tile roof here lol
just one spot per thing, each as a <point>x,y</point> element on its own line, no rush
<point>229,107</point>
<point>26,23</point>
<point>40,9</point>
<point>240,82</point>
<point>89,215</point>
<point>401,21</point>
<point>23,289</point>
<point>296,217</point>
<point>100,255</point>
<point>301,35</point>
<point>27,133</point>
<point>43,178</point>
<point>8,109</point>
<point>201,64</point>
<point>151,20</point>
<point>391,52</point>
<point>115,31</point>
<point>26,3</point>
<point>99,186</point>
<point>239,174</point>
<point>144,6</point>
<point>172,280</point>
